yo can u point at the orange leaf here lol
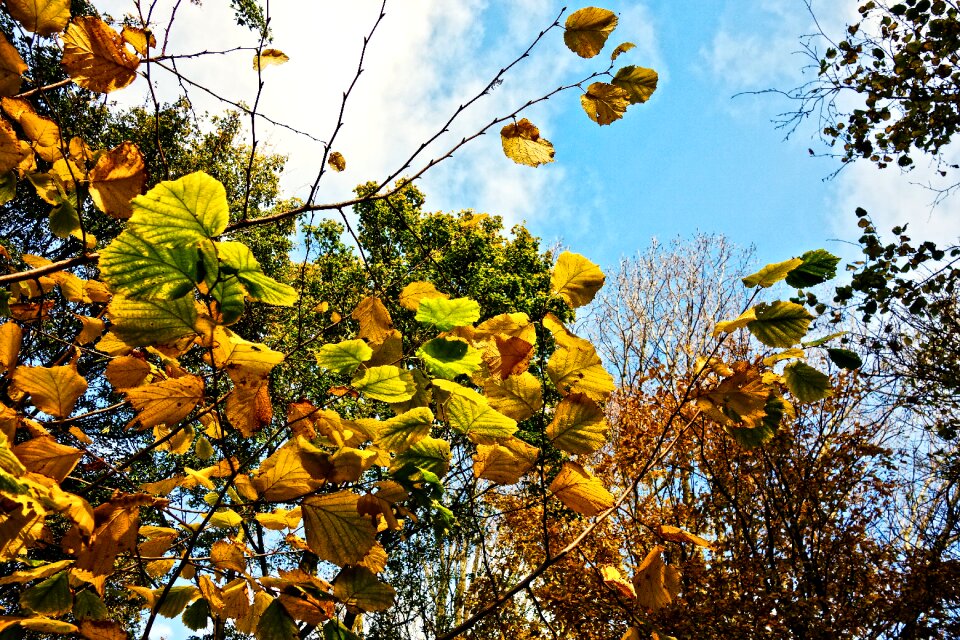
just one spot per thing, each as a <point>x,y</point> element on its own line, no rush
<point>54,390</point>
<point>95,57</point>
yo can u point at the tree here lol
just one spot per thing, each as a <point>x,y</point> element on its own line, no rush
<point>169,442</point>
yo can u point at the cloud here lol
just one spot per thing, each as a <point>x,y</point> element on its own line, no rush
<point>426,59</point>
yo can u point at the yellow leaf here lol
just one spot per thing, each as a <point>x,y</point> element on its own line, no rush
<point>248,408</point>
<point>102,630</point>
<point>280,519</point>
<point>92,329</point>
<point>43,133</point>
<point>53,390</point>
<point>10,337</point>
<point>269,57</point>
<point>729,326</point>
<point>43,17</point>
<point>179,443</point>
<point>414,292</point>
<point>504,464</point>
<point>283,476</point>
<point>374,319</point>
<point>12,153</point>
<point>638,82</point>
<point>336,161</point>
<point>516,325</point>
<point>12,67</point>
<point>36,573</point>
<point>48,625</point>
<point>587,30</point>
<point>656,583</point>
<point>166,402</point>
<point>518,397</point>
<point>116,178</point>
<point>247,363</point>
<point>676,534</point>
<point>575,279</point>
<point>615,580</point>
<point>336,532</point>
<point>622,48</point>
<point>580,491</point>
<point>226,518</point>
<point>46,456</point>
<point>139,39</point>
<point>578,425</point>
<point>159,539</point>
<point>125,372</point>
<point>605,103</point>
<point>577,369</point>
<point>522,143</point>
<point>95,57</point>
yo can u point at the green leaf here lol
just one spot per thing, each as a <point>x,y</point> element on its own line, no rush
<point>403,431</point>
<point>750,437</point>
<point>449,357</point>
<point>334,630</point>
<point>230,296</point>
<point>359,587</point>
<point>845,358</point>
<point>196,615</point>
<point>276,624</point>
<point>8,187</point>
<point>227,519</point>
<point>478,420</point>
<point>818,267</point>
<point>64,219</point>
<point>237,259</point>
<point>780,324</point>
<point>639,82</point>
<point>429,454</point>
<point>87,605</point>
<point>806,383</point>
<point>344,357</point>
<point>825,339</point>
<point>446,314</point>
<point>771,274</point>
<point>175,602</point>
<point>137,269</point>
<point>142,323</point>
<point>182,211</point>
<point>387,383</point>
<point>578,425</point>
<point>51,597</point>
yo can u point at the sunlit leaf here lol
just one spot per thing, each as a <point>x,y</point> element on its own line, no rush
<point>518,397</point>
<point>127,371</point>
<point>741,321</point>
<point>449,357</point>
<point>53,390</point>
<point>621,49</point>
<point>95,57</point>
<point>638,82</point>
<point>269,57</point>
<point>46,456</point>
<point>604,103</point>
<point>166,402</point>
<point>247,363</point>
<point>344,357</point>
<point>415,292</point>
<point>818,267</point>
<point>11,153</point>
<point>138,269</point>
<point>43,17</point>
<point>522,143</point>
<point>35,573</point>
<point>580,491</point>
<point>445,314</point>
<point>806,383</point>
<point>403,431</point>
<point>335,531</point>
<point>430,454</point>
<point>656,583</point>
<point>676,534</point>
<point>771,274</point>
<point>587,30</point>
<point>387,383</point>
<point>577,369</point>
<point>615,580</point>
<point>182,211</point>
<point>575,279</point>
<point>239,260</point>
<point>43,133</point>
<point>359,587</point>
<point>478,420</point>
<point>504,463</point>
<point>375,322</point>
<point>738,400</point>
<point>11,335</point>
<point>780,324</point>
<point>336,161</point>
<point>147,322</point>
<point>283,476</point>
<point>48,625</point>
<point>117,177</point>
<point>140,39</point>
<point>51,597</point>
<point>225,518</point>
<point>578,425</point>
<point>12,67</point>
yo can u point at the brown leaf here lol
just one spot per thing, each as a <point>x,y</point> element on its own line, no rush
<point>11,152</point>
<point>337,161</point>
<point>676,534</point>
<point>587,30</point>
<point>522,144</point>
<point>116,178</point>
<point>95,57</point>
<point>125,372</point>
<point>604,103</point>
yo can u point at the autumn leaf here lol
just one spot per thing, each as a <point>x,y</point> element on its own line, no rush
<point>179,212</point>
<point>578,425</point>
<point>771,273</point>
<point>150,322</point>
<point>374,319</point>
<point>51,597</point>
<point>141,270</point>
<point>11,153</point>
<point>429,454</point>
<point>504,463</point>
<point>415,292</point>
<point>577,369</point>
<point>336,161</point>
<point>344,357</point>
<point>240,261</point>
<point>360,588</point>
<point>638,82</point>
<point>43,133</point>
<point>615,580</point>
<point>335,531</point>
<point>738,400</point>
<point>522,143</point>
<point>676,534</point>
<point>116,178</point>
<point>780,324</point>
<point>140,39</point>
<point>621,49</point>
<point>53,390</point>
<point>386,383</point>
<point>587,30</point>
<point>580,491</point>
<point>46,456</point>
<point>95,57</point>
<point>11,336</point>
<point>43,17</point>
<point>806,383</point>
<point>166,402</point>
<point>449,357</point>
<point>575,279</point>
<point>656,583</point>
<point>269,57</point>
<point>403,431</point>
<point>605,103</point>
<point>518,397</point>
<point>283,476</point>
<point>446,314</point>
<point>12,68</point>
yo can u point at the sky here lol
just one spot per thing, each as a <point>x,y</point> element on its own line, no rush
<point>700,156</point>
<point>697,157</point>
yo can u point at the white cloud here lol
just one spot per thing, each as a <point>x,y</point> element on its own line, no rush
<point>426,58</point>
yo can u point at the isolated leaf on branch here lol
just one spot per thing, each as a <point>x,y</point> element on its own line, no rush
<point>269,57</point>
<point>336,161</point>
<point>638,82</point>
<point>621,49</point>
<point>605,103</point>
<point>522,143</point>
<point>771,274</point>
<point>587,30</point>
<point>95,57</point>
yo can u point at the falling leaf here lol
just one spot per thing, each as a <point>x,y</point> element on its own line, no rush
<point>587,30</point>
<point>95,57</point>
<point>605,103</point>
<point>522,144</point>
<point>117,177</point>
<point>269,57</point>
<point>43,17</point>
<point>53,390</point>
<point>12,67</point>
<point>336,161</point>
